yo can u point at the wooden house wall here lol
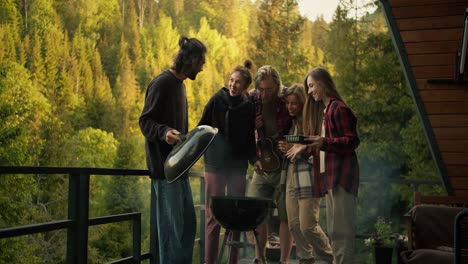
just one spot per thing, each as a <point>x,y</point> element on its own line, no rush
<point>431,32</point>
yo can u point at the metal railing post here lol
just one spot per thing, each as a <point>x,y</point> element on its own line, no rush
<point>78,205</point>
<point>82,219</point>
<point>72,212</point>
<point>137,238</point>
<point>202,220</point>
<point>154,243</point>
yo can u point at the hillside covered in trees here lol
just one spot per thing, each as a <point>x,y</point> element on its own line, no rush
<point>73,75</point>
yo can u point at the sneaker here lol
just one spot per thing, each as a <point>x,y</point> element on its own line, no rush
<point>257,261</point>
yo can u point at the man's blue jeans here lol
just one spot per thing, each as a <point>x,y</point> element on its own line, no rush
<point>176,221</point>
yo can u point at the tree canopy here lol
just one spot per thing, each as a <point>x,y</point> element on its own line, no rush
<point>73,75</point>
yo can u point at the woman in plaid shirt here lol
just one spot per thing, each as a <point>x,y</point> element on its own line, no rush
<point>332,126</point>
<point>302,196</point>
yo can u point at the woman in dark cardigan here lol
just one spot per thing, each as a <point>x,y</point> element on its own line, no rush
<point>226,160</point>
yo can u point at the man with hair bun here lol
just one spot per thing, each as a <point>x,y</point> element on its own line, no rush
<point>164,117</point>
<point>226,160</point>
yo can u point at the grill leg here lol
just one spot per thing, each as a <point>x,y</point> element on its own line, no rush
<point>258,246</point>
<point>220,255</point>
<point>230,246</point>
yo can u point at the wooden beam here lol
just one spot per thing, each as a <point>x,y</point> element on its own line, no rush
<point>449,121</point>
<point>435,59</point>
<point>457,170</point>
<point>461,183</point>
<point>453,108</point>
<point>423,84</point>
<point>451,133</point>
<point>459,95</point>
<point>441,86</point>
<point>461,193</point>
<point>442,9</point>
<point>429,35</point>
<point>453,145</point>
<point>455,158</point>
<point>434,72</point>
<point>430,22</point>
<point>402,3</point>
<point>450,46</point>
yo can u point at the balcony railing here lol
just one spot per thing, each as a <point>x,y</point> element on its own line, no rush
<point>78,220</point>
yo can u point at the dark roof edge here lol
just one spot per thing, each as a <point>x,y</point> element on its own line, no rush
<point>414,92</point>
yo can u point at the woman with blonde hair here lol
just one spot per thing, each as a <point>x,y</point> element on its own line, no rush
<point>302,194</point>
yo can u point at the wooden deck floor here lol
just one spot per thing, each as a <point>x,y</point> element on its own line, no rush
<point>292,261</point>
<point>247,255</point>
<point>249,261</point>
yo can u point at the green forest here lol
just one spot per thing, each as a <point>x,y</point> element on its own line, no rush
<point>73,75</point>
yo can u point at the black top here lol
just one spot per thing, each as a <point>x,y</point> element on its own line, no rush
<point>235,143</point>
<point>165,108</point>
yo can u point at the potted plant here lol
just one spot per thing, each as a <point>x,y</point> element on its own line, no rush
<point>382,240</point>
<point>401,244</point>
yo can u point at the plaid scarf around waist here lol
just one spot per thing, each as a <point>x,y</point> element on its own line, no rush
<point>306,185</point>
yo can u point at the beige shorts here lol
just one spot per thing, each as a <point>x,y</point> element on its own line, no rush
<point>268,186</point>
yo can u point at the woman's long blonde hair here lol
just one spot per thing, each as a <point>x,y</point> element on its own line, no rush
<point>313,111</point>
<point>299,91</point>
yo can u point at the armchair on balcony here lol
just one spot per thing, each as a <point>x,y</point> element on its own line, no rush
<point>431,225</point>
<point>461,237</point>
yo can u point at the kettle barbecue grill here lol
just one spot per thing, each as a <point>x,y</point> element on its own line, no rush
<point>239,213</point>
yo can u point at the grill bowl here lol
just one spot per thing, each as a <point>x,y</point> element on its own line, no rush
<point>240,213</point>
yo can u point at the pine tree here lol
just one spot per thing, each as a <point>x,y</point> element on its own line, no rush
<point>8,52</point>
<point>280,26</point>
<point>127,94</point>
<point>8,12</point>
<point>42,17</point>
<point>20,142</point>
<point>101,104</point>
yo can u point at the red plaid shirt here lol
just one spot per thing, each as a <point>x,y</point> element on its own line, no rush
<point>341,141</point>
